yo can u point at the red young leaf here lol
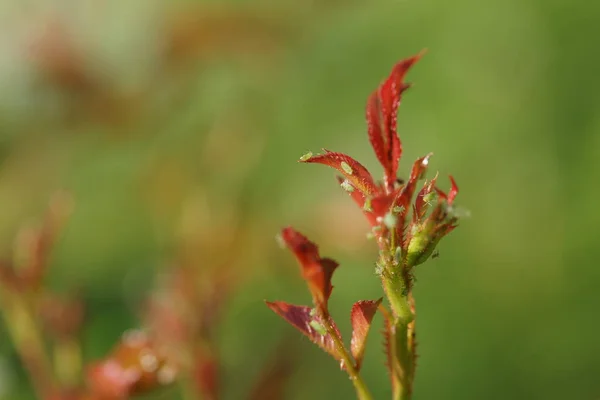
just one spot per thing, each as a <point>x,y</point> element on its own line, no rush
<point>361,317</point>
<point>381,205</point>
<point>451,195</point>
<point>356,174</point>
<point>358,197</point>
<point>449,229</point>
<point>316,271</point>
<point>406,193</point>
<point>375,207</point>
<point>310,325</point>
<point>421,203</point>
<point>382,116</point>
<point>453,191</point>
<point>386,144</point>
<point>418,171</point>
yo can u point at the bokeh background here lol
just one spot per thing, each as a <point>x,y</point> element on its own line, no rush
<point>166,120</point>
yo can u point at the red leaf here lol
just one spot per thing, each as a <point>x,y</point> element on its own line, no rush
<point>406,193</point>
<point>300,318</point>
<point>418,171</point>
<point>361,317</point>
<point>358,197</point>
<point>420,202</point>
<point>453,191</point>
<point>381,143</point>
<point>381,205</point>
<point>382,116</point>
<point>316,271</point>
<point>378,206</point>
<point>451,195</point>
<point>356,174</point>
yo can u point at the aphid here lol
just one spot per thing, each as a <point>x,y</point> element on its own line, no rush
<point>307,156</point>
<point>347,168</point>
<point>318,327</point>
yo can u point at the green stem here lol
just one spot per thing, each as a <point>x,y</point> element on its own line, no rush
<point>188,389</point>
<point>67,361</point>
<point>359,384</point>
<point>25,336</point>
<point>395,290</point>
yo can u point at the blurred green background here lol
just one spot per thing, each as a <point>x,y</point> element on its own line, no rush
<point>507,98</point>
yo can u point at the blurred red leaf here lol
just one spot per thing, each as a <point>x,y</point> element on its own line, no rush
<point>9,277</point>
<point>311,326</point>
<point>207,377</point>
<point>356,174</point>
<point>382,116</point>
<point>316,271</point>
<point>133,367</point>
<point>208,29</point>
<point>62,317</point>
<point>361,317</point>
<point>35,243</point>
<point>111,380</point>
<point>55,53</point>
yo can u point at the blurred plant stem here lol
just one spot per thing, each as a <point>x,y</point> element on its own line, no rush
<point>360,386</point>
<point>67,361</point>
<point>188,389</point>
<point>26,338</point>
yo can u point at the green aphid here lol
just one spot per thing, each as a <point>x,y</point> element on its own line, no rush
<point>398,255</point>
<point>347,168</point>
<point>347,186</point>
<point>367,206</point>
<point>398,209</point>
<point>318,327</point>
<point>306,156</point>
<point>390,220</point>
<point>379,268</point>
<point>429,197</point>
<point>280,241</point>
